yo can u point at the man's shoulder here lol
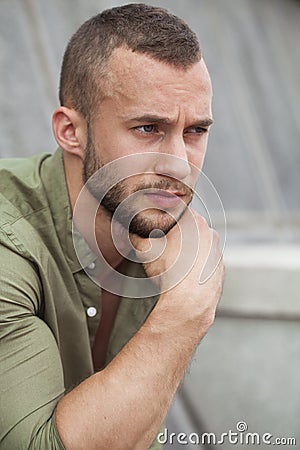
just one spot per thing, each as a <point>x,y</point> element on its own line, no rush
<point>26,168</point>
<point>24,202</point>
<point>21,189</point>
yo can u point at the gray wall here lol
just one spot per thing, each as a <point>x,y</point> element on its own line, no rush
<point>247,368</point>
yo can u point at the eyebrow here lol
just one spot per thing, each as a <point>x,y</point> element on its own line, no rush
<point>167,121</point>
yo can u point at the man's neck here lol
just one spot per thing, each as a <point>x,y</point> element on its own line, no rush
<point>101,221</point>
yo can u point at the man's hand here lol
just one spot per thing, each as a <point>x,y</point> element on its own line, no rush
<point>187,263</point>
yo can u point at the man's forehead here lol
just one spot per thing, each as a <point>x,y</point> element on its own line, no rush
<point>130,70</point>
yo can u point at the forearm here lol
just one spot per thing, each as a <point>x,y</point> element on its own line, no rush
<point>133,393</point>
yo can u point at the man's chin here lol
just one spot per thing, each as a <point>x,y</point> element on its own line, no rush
<point>151,223</point>
<point>145,229</point>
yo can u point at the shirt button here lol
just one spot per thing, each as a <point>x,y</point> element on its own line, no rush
<point>91,311</point>
<point>91,266</point>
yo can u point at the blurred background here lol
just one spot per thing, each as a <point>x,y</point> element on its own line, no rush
<point>248,366</point>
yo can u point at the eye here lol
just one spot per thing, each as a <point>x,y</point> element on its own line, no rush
<point>146,128</point>
<point>196,130</point>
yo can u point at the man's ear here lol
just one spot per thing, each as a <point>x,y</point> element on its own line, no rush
<point>70,130</point>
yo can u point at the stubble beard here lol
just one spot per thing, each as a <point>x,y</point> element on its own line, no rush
<point>149,221</point>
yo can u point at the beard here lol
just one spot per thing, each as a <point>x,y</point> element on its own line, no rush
<point>123,200</point>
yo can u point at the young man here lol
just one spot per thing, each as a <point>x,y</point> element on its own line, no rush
<point>83,366</point>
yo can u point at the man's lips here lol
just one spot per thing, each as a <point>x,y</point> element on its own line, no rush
<point>164,199</point>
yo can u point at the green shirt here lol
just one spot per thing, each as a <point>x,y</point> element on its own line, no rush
<point>46,333</point>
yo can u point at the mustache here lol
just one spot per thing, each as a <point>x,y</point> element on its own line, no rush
<point>166,185</point>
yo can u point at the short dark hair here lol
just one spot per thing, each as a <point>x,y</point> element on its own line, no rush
<point>139,27</point>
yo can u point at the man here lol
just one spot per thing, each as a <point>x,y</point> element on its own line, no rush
<point>82,366</point>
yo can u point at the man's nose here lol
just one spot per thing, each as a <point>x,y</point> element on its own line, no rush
<point>172,160</point>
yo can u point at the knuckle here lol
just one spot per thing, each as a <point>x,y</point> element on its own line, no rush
<point>216,236</point>
<point>202,221</point>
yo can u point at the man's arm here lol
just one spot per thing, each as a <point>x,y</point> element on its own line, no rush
<point>123,406</point>
<point>31,374</point>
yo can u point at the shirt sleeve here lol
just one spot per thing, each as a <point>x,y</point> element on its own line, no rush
<point>31,374</point>
<point>155,444</point>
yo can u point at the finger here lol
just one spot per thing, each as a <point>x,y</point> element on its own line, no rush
<point>213,258</point>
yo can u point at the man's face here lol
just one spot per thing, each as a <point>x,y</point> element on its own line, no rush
<point>158,110</point>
